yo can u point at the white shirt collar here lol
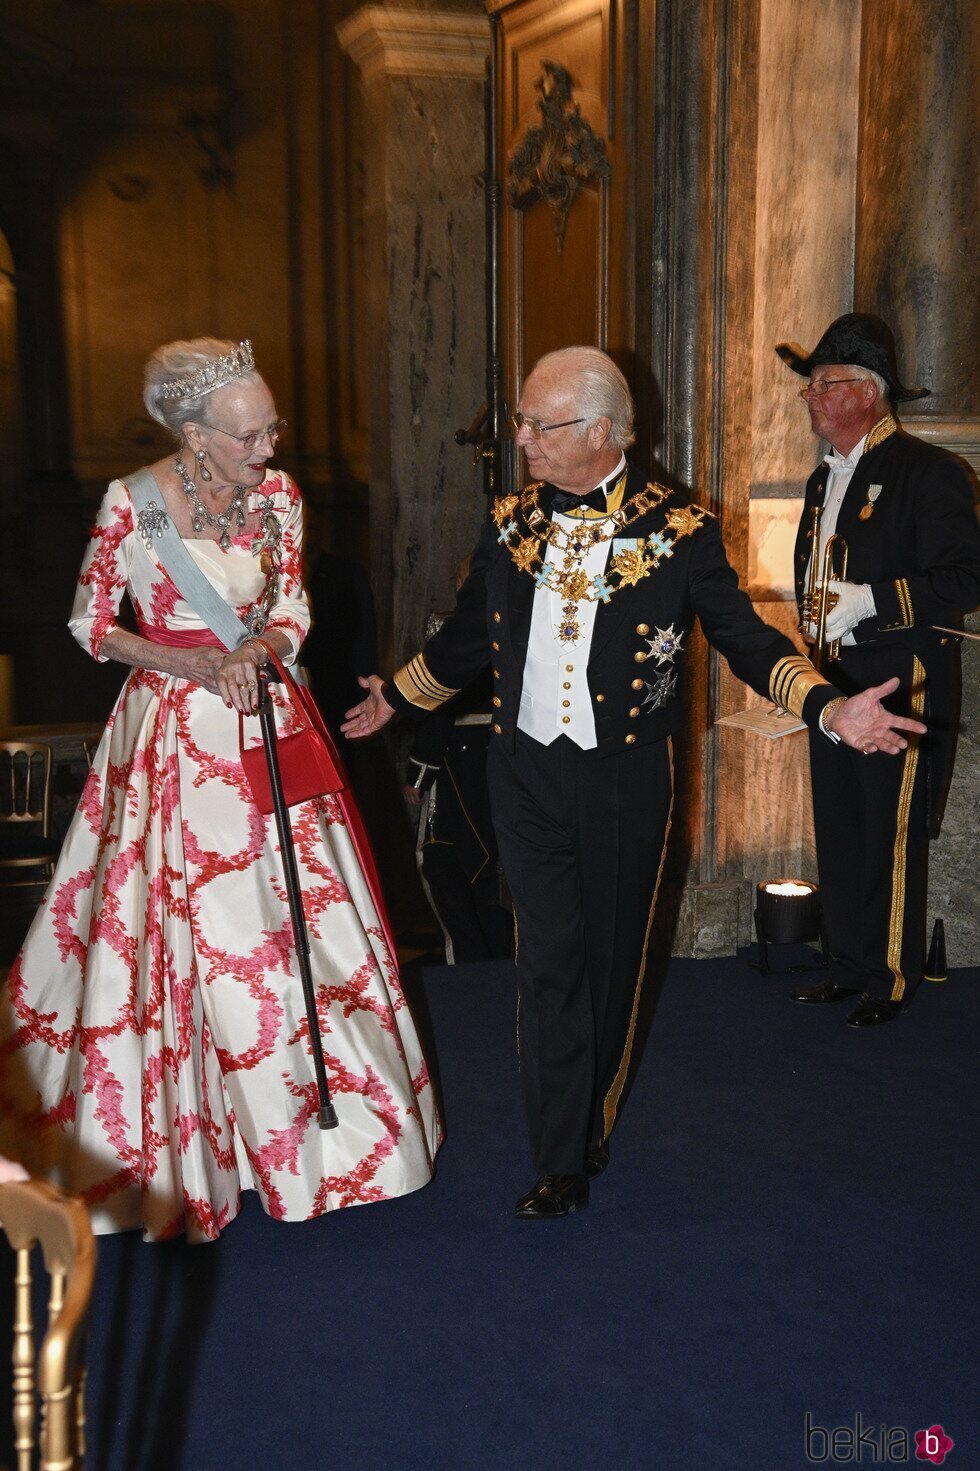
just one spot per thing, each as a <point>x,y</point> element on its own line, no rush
<point>841,464</point>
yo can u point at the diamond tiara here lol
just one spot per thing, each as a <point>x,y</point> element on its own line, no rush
<point>211,375</point>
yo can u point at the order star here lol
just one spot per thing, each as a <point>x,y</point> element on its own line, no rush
<point>666,645</point>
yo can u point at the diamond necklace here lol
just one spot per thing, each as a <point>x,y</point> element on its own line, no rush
<point>200,514</point>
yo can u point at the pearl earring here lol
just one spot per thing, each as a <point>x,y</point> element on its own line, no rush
<point>205,472</point>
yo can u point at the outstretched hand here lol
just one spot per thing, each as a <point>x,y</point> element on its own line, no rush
<point>864,723</point>
<point>372,714</point>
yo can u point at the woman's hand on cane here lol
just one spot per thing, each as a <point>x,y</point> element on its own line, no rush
<point>238,678</point>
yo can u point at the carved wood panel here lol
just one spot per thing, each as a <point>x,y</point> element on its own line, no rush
<point>566,264</point>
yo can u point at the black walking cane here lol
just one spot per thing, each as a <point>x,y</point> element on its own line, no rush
<point>327,1115</point>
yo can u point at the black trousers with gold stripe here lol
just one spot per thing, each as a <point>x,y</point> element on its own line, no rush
<point>581,840</point>
<point>872,840</point>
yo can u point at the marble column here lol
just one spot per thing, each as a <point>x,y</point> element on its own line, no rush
<point>917,197</point>
<point>915,264</point>
<point>422,73</point>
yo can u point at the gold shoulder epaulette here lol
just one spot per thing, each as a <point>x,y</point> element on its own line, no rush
<point>883,430</point>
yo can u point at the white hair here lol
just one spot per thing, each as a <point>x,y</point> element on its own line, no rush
<point>599,388</point>
<point>180,360</point>
<point>884,392</point>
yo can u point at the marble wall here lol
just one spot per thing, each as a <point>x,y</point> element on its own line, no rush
<point>422,91</point>
<point>806,155</point>
<point>809,65</point>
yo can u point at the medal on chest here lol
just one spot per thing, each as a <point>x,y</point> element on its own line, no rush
<point>874,491</point>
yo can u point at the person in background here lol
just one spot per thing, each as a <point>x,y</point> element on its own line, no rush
<point>457,851</point>
<point>905,510</point>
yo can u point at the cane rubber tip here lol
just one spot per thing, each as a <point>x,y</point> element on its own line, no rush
<point>327,1117</point>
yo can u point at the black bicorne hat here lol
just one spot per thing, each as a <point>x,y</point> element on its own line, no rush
<point>858,338</point>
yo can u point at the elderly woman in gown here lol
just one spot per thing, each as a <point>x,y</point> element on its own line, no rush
<point>154,1048</point>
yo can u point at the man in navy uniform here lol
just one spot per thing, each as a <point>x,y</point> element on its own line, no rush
<point>582,595</point>
<point>905,511</point>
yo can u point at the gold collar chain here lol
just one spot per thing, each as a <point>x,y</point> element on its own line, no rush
<point>626,567</point>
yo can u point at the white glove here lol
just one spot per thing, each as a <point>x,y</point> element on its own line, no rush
<point>855,602</point>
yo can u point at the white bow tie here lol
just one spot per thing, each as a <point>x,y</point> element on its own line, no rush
<point>840,463</point>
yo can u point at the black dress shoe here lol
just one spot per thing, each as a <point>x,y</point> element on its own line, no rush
<point>553,1196</point>
<point>596,1159</point>
<point>817,995</point>
<point>872,1011</point>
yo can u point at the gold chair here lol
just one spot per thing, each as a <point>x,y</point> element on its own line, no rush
<point>27,849</point>
<point>32,1212</point>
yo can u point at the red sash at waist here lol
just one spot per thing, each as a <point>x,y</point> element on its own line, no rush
<point>181,638</point>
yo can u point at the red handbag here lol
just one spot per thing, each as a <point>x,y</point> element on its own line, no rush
<point>308,761</point>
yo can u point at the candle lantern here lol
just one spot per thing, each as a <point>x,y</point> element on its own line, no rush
<point>788,912</point>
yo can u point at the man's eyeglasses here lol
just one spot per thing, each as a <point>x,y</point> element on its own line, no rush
<point>821,386</point>
<point>535,427</point>
<point>248,441</point>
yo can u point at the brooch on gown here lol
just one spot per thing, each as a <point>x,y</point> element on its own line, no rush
<point>267,546</point>
<point>151,521</point>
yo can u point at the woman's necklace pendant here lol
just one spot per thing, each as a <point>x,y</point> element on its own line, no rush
<point>201,516</point>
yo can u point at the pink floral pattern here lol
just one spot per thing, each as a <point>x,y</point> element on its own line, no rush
<point>154,1047</point>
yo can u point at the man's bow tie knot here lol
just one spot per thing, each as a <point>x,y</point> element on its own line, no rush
<point>566,501</point>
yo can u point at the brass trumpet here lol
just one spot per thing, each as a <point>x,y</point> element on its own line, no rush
<point>818,600</point>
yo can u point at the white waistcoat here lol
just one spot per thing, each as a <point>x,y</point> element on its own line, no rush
<point>555,697</point>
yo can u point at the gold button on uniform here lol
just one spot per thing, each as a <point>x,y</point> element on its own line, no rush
<point>637,684</point>
<point>496,674</point>
<point>634,712</point>
<point>495,646</point>
<point>642,630</point>
<point>569,668</point>
<point>631,740</point>
<point>566,720</point>
<point>599,699</point>
<point>497,702</point>
<point>566,685</point>
<point>496,730</point>
<point>496,617</point>
<point>565,704</point>
<point>640,657</point>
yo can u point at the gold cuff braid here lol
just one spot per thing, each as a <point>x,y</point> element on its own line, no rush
<point>791,680</point>
<point>416,683</point>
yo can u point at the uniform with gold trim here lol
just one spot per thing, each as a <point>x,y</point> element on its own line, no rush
<point>909,522</point>
<point>582,832</point>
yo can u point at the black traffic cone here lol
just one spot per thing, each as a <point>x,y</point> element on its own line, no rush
<point>936,967</point>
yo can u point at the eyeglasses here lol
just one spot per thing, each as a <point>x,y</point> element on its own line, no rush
<point>535,427</point>
<point>248,441</point>
<point>821,386</point>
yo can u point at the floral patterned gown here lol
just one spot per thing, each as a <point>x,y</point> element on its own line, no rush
<point>154,1047</point>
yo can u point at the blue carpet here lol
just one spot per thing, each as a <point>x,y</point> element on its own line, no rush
<point>788,1227</point>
